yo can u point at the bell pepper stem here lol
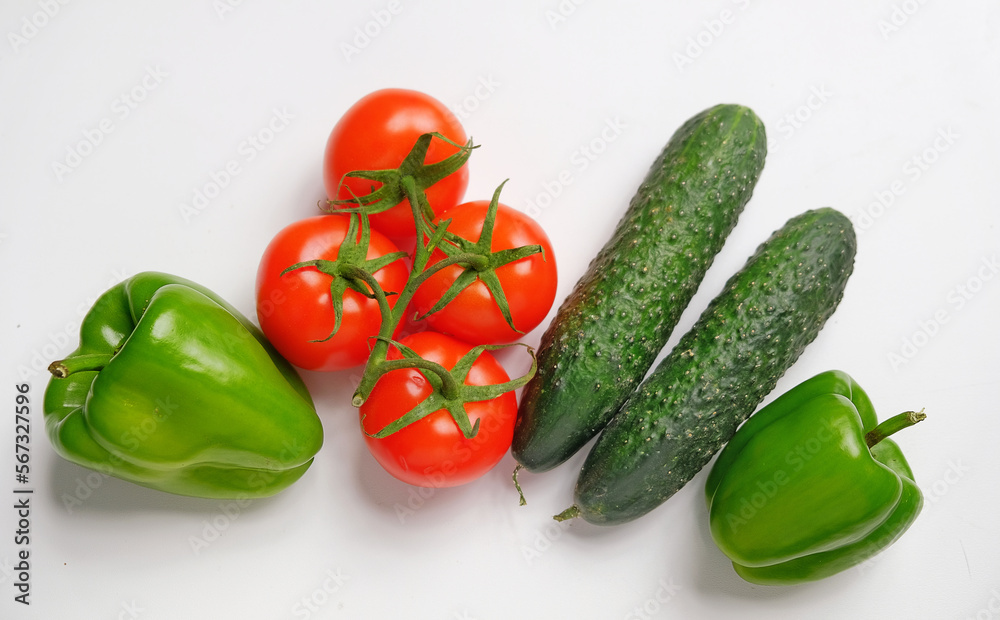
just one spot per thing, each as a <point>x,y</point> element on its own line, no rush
<point>892,425</point>
<point>79,363</point>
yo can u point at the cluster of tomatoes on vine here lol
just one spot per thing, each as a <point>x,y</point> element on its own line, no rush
<point>398,249</point>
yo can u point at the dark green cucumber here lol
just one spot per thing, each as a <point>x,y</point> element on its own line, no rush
<point>609,330</point>
<point>718,373</point>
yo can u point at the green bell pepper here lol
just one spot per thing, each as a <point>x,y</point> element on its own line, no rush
<point>809,486</point>
<point>172,388</point>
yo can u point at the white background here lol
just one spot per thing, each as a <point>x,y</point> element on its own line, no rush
<point>886,110</point>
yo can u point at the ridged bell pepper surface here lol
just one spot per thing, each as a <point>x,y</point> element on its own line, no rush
<point>810,486</point>
<point>172,388</point>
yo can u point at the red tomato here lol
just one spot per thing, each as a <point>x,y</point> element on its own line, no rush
<point>529,283</point>
<point>295,309</point>
<point>433,452</point>
<point>377,133</point>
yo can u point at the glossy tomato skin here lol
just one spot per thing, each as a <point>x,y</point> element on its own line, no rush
<point>377,133</point>
<point>295,308</point>
<point>529,283</point>
<point>433,452</point>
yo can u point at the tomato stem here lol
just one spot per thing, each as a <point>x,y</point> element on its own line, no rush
<point>479,261</point>
<point>450,391</point>
<point>391,318</point>
<point>476,261</point>
<point>390,191</point>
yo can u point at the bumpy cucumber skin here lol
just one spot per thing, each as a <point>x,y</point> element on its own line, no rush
<point>718,373</point>
<point>609,330</point>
